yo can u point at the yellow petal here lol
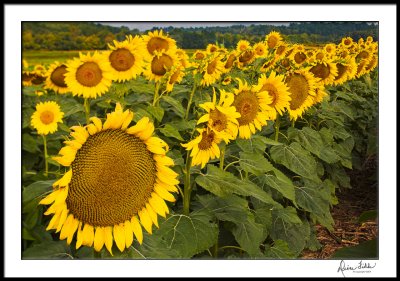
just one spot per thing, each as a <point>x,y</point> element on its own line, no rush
<point>137,229</point>
<point>97,122</point>
<point>63,218</point>
<point>49,198</point>
<point>152,214</point>
<point>80,130</point>
<point>54,221</point>
<point>163,160</point>
<point>204,118</point>
<point>119,236</point>
<point>127,121</point>
<point>62,160</point>
<point>146,133</point>
<point>164,194</point>
<point>168,172</point>
<point>65,180</point>
<point>91,128</point>
<point>140,126</point>
<point>62,196</point>
<point>108,238</point>
<point>158,205</point>
<point>66,227</point>
<point>73,226</point>
<point>74,144</point>
<point>166,179</point>
<point>145,220</point>
<point>88,235</point>
<point>99,239</point>
<point>128,234</point>
<point>79,236</point>
<point>156,149</point>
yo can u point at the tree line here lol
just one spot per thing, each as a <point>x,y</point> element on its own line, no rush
<point>90,36</point>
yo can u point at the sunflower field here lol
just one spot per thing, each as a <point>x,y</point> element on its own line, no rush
<point>149,151</point>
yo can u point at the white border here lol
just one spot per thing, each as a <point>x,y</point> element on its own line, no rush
<point>14,14</point>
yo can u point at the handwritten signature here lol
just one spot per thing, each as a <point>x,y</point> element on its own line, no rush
<point>359,267</point>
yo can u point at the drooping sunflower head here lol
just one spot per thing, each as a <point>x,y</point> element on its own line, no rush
<point>227,80</point>
<point>273,39</point>
<point>27,77</point>
<point>117,182</point>
<point>242,46</point>
<point>346,69</point>
<point>212,69</point>
<point>324,71</point>
<point>253,107</point>
<point>204,147</point>
<point>269,64</point>
<point>89,75</point>
<point>126,58</point>
<point>276,88</point>
<point>157,42</point>
<point>301,84</point>
<point>183,58</point>
<point>363,54</point>
<point>373,63</point>
<point>230,61</point>
<point>211,48</point>
<point>175,75</point>
<point>38,77</point>
<point>281,50</point>
<point>46,117</point>
<point>221,117</point>
<point>161,63</point>
<point>298,57</point>
<point>260,49</point>
<point>320,94</point>
<point>246,58</point>
<point>56,78</point>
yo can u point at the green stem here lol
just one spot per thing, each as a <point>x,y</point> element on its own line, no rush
<point>231,247</point>
<point>222,157</point>
<point>232,163</point>
<point>277,123</point>
<point>156,95</point>
<point>86,104</point>
<point>46,164</point>
<point>190,101</point>
<point>187,188</point>
<point>293,123</point>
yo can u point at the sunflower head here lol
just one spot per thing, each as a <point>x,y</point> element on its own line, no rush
<point>273,39</point>
<point>246,58</point>
<point>161,63</point>
<point>260,49</point>
<point>174,76</point>
<point>118,181</point>
<point>56,78</point>
<point>347,42</point>
<point>46,117</point>
<point>89,75</point>
<point>211,48</point>
<point>229,62</point>
<point>212,69</point>
<point>242,46</point>
<point>157,42</point>
<point>325,72</point>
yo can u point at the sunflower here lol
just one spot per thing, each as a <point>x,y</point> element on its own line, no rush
<point>273,39</point>
<point>253,107</point>
<point>347,42</point>
<point>161,63</point>
<point>116,184</point>
<point>211,48</point>
<point>281,50</point>
<point>363,54</point>
<point>174,76</point>
<point>325,72</point>
<point>230,61</point>
<point>370,39</point>
<point>268,64</point>
<point>46,117</point>
<point>183,58</point>
<point>204,147</point>
<point>298,57</point>
<point>40,69</point>
<point>212,70</point>
<point>126,58</point>
<point>277,90</point>
<point>56,78</point>
<point>301,84</point>
<point>39,76</point>
<point>373,63</point>
<point>260,49</point>
<point>330,49</point>
<point>227,80</point>
<point>242,46</point>
<point>156,42</point>
<point>320,94</point>
<point>346,71</point>
<point>89,76</point>
<point>246,58</point>
<point>221,117</point>
<point>27,77</point>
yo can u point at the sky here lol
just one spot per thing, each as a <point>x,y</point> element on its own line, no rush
<point>143,26</point>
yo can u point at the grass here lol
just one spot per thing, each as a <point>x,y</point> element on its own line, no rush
<point>48,57</point>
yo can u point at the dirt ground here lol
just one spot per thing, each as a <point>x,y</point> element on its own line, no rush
<point>352,203</point>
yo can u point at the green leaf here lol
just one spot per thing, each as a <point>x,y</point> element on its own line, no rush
<point>48,250</point>
<point>183,125</point>
<point>288,214</point>
<point>170,131</point>
<point>230,208</point>
<point>255,144</point>
<point>29,143</point>
<point>368,216</point>
<point>296,159</point>
<point>223,183</point>
<point>279,250</point>
<point>140,113</point>
<point>249,235</point>
<point>64,127</point>
<point>344,108</point>
<point>271,141</point>
<point>26,117</point>
<point>156,111</point>
<point>338,175</point>
<point>326,135</point>
<point>176,105</point>
<point>339,132</point>
<point>343,149</point>
<point>285,187</point>
<point>70,106</point>
<point>36,190</point>
<point>254,163</point>
<point>365,250</point>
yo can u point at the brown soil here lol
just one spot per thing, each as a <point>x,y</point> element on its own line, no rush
<point>352,203</point>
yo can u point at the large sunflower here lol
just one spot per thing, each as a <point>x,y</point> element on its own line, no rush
<point>260,49</point>
<point>324,71</point>
<point>157,42</point>
<point>221,117</point>
<point>277,90</point>
<point>56,78</point>
<point>242,46</point>
<point>160,64</point>
<point>212,69</point>
<point>46,117</point>
<point>273,39</point>
<point>253,107</point>
<point>301,84</point>
<point>126,58</point>
<point>346,69</point>
<point>89,76</point>
<point>204,147</point>
<point>246,58</point>
<point>117,183</point>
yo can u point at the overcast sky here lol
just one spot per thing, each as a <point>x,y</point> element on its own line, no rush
<point>143,26</point>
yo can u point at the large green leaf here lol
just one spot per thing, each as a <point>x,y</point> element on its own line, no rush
<point>338,175</point>
<point>36,190</point>
<point>48,250</point>
<point>296,159</point>
<point>223,183</point>
<point>283,186</point>
<point>29,143</point>
<point>365,250</point>
<point>279,250</point>
<point>254,163</point>
<point>255,144</point>
<point>156,111</point>
<point>170,131</point>
<point>176,105</point>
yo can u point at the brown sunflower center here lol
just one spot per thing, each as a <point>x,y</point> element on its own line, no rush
<point>211,67</point>
<point>320,56</point>
<point>361,66</point>
<point>157,44</point>
<point>259,51</point>
<point>300,57</point>
<point>38,79</point>
<point>320,70</point>
<point>272,41</point>
<point>199,56</point>
<point>341,70</point>
<point>47,117</point>
<point>160,65</point>
<point>280,50</point>
<point>213,49</point>
<point>246,56</point>
<point>58,76</point>
<point>113,176</point>
<point>246,104</point>
<point>219,120</point>
<point>27,76</point>
<point>89,74</point>
<point>229,61</point>
<point>272,91</point>
<point>298,88</point>
<point>206,140</point>
<point>362,55</point>
<point>174,77</point>
<point>347,41</point>
<point>121,59</point>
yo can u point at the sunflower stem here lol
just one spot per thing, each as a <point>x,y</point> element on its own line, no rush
<point>222,157</point>
<point>46,164</point>
<point>187,188</point>
<point>156,95</point>
<point>86,104</point>
<point>293,123</point>
<point>190,101</point>
<point>277,123</point>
